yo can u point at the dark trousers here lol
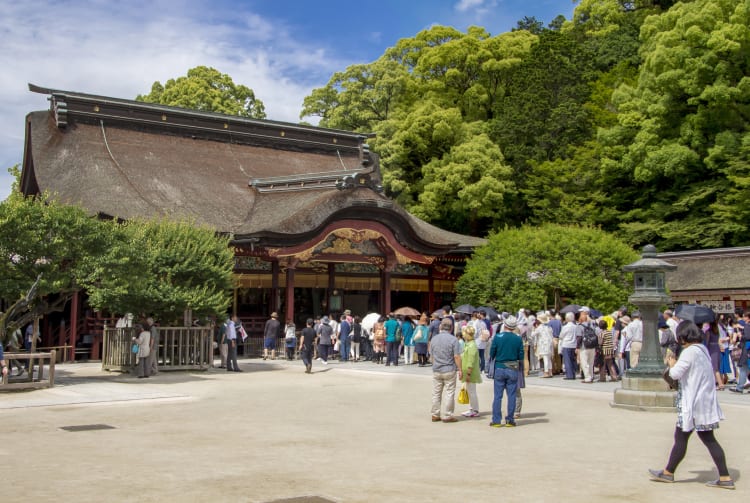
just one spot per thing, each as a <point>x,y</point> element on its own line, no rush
<point>391,349</point>
<point>232,356</point>
<point>324,351</point>
<point>707,437</point>
<point>306,355</point>
<point>569,358</point>
<point>481,360</point>
<point>290,353</point>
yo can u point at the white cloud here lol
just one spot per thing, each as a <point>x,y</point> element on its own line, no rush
<point>465,5</point>
<point>120,49</point>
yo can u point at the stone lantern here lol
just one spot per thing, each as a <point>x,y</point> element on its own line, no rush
<point>643,387</point>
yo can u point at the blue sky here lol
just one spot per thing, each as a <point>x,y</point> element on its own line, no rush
<point>280,49</point>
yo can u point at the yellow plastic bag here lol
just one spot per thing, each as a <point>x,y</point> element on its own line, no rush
<point>463,395</point>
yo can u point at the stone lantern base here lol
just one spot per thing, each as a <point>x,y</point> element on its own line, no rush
<point>646,394</point>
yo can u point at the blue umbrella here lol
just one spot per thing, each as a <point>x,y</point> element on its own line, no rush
<point>696,313</point>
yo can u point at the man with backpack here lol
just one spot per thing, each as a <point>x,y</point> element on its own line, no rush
<point>589,344</point>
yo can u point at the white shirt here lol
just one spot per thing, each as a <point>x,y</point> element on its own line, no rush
<point>568,336</point>
<point>672,324</point>
<point>699,403</point>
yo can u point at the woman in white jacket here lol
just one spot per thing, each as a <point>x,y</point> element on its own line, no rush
<point>697,406</point>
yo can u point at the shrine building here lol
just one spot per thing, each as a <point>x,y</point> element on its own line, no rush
<point>312,231</point>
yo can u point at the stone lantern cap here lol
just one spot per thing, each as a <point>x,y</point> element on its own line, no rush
<point>649,262</point>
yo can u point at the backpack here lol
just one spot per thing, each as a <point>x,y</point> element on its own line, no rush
<point>590,339</point>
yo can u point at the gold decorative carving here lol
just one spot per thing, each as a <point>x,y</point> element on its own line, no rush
<point>342,246</point>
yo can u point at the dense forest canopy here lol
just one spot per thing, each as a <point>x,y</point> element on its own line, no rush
<point>631,117</point>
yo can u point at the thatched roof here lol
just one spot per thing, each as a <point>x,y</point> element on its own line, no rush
<point>716,269</point>
<point>251,178</point>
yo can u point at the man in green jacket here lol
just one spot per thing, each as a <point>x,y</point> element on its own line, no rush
<point>507,352</point>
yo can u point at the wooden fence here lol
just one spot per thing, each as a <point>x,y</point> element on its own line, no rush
<point>180,348</point>
<point>30,381</point>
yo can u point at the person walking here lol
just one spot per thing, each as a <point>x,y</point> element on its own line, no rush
<point>507,351</point>
<point>471,370</point>
<point>231,337</point>
<point>325,339</point>
<point>270,334</point>
<point>446,363</point>
<point>697,406</point>
<point>306,345</point>
<point>378,339</point>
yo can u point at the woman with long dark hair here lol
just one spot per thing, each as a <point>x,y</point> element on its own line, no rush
<point>697,405</point>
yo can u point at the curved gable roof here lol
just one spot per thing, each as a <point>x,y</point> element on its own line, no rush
<point>127,159</point>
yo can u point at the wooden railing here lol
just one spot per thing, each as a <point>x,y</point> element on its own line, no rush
<point>180,348</point>
<point>29,381</point>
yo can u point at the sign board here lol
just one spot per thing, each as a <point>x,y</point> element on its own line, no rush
<point>719,306</point>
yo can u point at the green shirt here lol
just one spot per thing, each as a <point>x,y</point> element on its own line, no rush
<point>506,347</point>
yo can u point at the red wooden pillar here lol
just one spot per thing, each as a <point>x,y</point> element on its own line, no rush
<point>385,290</point>
<point>73,325</point>
<point>289,294</point>
<point>431,289</point>
<point>274,304</point>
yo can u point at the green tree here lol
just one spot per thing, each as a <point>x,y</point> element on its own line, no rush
<point>208,90</point>
<point>181,266</point>
<point>143,267</point>
<point>677,145</point>
<point>59,244</point>
<point>535,267</point>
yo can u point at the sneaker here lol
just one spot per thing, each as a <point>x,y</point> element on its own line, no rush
<point>721,484</point>
<point>468,413</point>
<point>734,390</point>
<point>474,413</point>
<point>496,425</point>
<point>435,419</point>
<point>660,476</point>
<point>325,362</point>
<point>510,424</point>
<point>317,359</point>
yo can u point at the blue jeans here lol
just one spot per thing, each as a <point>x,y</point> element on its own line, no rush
<point>742,378</point>
<point>569,359</point>
<point>505,380</point>
<point>345,345</point>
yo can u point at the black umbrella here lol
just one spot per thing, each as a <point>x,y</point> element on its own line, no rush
<point>570,308</point>
<point>465,309</point>
<point>696,313</point>
<point>492,315</point>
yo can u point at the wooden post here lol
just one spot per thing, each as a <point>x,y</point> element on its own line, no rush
<point>385,288</point>
<point>53,357</point>
<point>234,301</point>
<point>274,286</point>
<point>431,289</point>
<point>289,294</point>
<point>331,286</point>
<point>74,308</point>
